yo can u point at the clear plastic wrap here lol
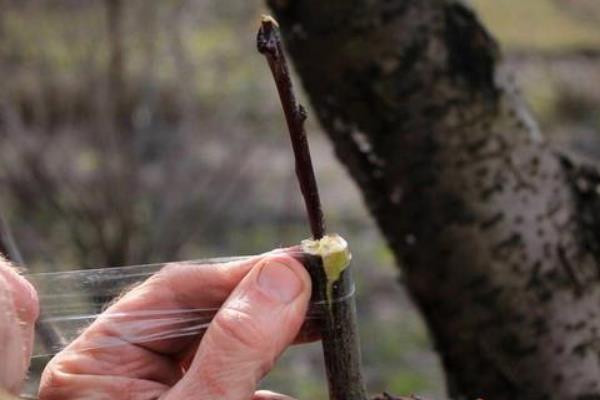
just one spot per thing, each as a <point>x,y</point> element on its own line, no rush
<point>71,300</point>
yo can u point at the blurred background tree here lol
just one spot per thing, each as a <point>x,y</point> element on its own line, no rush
<point>135,131</point>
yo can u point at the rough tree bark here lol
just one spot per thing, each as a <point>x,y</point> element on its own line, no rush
<point>475,205</point>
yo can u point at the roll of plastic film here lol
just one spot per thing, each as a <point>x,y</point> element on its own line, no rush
<point>71,300</point>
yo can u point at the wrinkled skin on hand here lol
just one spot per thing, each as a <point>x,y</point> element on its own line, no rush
<point>263,302</point>
<point>18,312</point>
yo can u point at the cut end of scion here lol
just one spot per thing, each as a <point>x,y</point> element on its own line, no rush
<point>333,250</point>
<point>266,40</point>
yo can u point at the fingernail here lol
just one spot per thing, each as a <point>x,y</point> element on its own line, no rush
<point>279,281</point>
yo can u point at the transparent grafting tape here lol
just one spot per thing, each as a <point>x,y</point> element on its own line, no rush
<point>71,300</point>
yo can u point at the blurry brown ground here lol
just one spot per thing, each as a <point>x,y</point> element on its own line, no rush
<point>146,131</point>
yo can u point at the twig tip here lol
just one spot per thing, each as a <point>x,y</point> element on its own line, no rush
<point>268,42</point>
<point>267,19</point>
<point>266,39</point>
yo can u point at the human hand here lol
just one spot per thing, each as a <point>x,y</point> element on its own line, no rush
<point>18,312</point>
<point>264,301</point>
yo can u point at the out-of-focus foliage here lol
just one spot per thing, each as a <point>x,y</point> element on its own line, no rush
<point>144,130</point>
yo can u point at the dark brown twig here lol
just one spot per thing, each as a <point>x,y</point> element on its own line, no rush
<point>269,44</point>
<point>338,329</point>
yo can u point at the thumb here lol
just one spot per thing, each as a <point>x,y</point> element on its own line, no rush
<point>257,322</point>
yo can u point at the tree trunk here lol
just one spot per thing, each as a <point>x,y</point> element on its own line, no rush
<point>475,205</point>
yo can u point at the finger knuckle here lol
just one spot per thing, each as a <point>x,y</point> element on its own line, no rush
<point>239,327</point>
<point>53,383</point>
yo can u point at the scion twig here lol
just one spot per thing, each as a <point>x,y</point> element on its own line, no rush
<point>338,328</point>
<point>269,44</point>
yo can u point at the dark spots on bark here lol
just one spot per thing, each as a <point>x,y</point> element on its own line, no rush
<point>523,257</point>
<point>474,147</point>
<point>540,232</point>
<point>569,269</point>
<point>492,221</point>
<point>577,326</point>
<point>581,349</point>
<point>558,379</point>
<point>547,248</point>
<point>409,57</point>
<point>391,10</point>
<point>472,52</point>
<point>488,192</point>
<point>520,318</point>
<point>584,182</point>
<point>534,279</point>
<point>487,297</point>
<point>538,283</point>
<point>520,182</point>
<point>545,295</point>
<point>507,245</point>
<point>481,172</point>
<point>513,346</point>
<point>554,206</point>
<point>552,276</point>
<point>589,396</point>
<point>454,210</point>
<point>476,282</point>
<point>540,326</point>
